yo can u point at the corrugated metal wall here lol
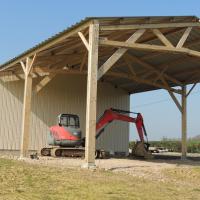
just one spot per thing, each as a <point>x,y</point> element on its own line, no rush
<point>64,94</point>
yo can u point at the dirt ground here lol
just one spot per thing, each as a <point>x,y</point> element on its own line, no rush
<point>148,169</point>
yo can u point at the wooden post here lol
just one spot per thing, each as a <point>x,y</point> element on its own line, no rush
<point>91,95</point>
<point>26,108</point>
<point>184,122</point>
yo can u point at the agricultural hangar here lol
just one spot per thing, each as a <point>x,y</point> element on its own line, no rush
<point>93,65</point>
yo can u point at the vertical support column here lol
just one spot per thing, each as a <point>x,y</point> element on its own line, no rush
<point>26,107</point>
<point>91,105</point>
<point>184,123</point>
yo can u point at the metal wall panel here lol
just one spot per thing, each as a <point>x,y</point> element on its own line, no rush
<point>64,94</point>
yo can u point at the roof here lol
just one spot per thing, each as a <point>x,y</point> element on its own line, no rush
<point>60,51</point>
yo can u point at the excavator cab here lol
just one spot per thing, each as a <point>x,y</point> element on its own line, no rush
<point>69,120</point>
<point>67,133</point>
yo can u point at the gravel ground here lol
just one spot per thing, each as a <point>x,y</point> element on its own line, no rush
<point>150,169</point>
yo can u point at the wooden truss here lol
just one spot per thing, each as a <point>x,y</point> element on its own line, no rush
<point>94,72</point>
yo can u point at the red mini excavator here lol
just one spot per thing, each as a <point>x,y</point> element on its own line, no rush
<point>65,138</point>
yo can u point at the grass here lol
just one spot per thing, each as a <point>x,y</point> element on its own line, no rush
<point>19,180</point>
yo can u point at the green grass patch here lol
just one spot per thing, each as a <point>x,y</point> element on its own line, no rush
<point>19,180</point>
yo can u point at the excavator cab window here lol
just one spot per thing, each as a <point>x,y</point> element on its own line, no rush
<point>69,120</point>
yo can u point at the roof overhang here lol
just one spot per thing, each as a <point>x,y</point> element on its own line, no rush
<point>164,48</point>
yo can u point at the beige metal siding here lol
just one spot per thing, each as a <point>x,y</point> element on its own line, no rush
<point>64,94</point>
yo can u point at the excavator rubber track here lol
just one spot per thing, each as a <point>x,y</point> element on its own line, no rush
<point>63,152</point>
<point>69,152</point>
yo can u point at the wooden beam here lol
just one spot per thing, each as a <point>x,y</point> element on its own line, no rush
<point>118,54</point>
<point>149,26</point>
<point>140,80</point>
<point>23,66</point>
<point>184,37</point>
<point>184,123</point>
<point>46,71</point>
<point>30,66</point>
<point>26,109</point>
<point>172,95</point>
<point>150,67</point>
<point>161,73</point>
<point>148,47</point>
<point>128,63</point>
<point>83,61</point>
<point>193,86</point>
<point>85,42</point>
<point>18,76</point>
<point>162,38</point>
<point>91,95</point>
<point>26,116</point>
<point>186,44</point>
<point>43,83</point>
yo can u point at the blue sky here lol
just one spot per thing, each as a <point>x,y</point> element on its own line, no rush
<point>25,23</point>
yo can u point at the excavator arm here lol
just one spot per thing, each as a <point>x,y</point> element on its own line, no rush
<point>120,115</point>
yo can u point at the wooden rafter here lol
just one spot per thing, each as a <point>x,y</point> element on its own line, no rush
<point>162,38</point>
<point>43,82</point>
<point>140,80</point>
<point>149,26</point>
<point>184,37</point>
<point>118,54</point>
<point>161,73</point>
<point>152,68</point>
<point>186,44</point>
<point>148,47</point>
<point>129,65</point>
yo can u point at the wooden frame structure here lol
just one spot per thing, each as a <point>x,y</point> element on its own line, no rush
<point>135,54</point>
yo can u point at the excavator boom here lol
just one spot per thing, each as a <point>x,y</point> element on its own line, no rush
<point>121,115</point>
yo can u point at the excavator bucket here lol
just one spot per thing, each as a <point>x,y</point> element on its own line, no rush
<point>141,150</point>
